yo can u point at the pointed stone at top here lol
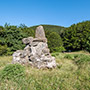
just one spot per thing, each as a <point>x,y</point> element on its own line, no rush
<point>36,53</point>
<point>40,32</point>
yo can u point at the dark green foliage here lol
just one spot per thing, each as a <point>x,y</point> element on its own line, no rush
<point>1,28</point>
<point>77,36</point>
<point>28,31</point>
<point>87,43</point>
<point>11,36</point>
<point>13,71</point>
<point>74,38</point>
<point>54,41</point>
<point>3,49</point>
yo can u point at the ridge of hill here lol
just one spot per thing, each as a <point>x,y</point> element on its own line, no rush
<point>53,28</point>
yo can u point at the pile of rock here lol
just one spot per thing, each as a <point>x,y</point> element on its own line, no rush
<point>36,52</point>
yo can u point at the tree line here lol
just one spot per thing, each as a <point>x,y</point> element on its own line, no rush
<point>76,37</point>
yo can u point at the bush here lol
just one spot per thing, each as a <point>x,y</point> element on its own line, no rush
<point>54,41</point>
<point>3,49</point>
<point>12,36</point>
<point>60,49</point>
<point>77,37</point>
<point>13,71</point>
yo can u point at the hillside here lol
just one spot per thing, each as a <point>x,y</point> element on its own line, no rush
<point>53,28</point>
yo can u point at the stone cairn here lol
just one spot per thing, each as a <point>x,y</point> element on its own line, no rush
<point>36,53</point>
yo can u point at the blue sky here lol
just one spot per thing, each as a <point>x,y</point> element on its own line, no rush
<point>35,12</point>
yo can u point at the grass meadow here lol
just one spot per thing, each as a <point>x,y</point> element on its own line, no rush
<point>72,73</point>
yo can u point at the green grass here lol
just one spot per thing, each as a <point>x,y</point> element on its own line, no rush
<point>72,73</point>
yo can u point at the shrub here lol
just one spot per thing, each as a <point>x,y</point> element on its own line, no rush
<point>54,41</point>
<point>3,49</point>
<point>60,49</point>
<point>77,37</point>
<point>13,71</point>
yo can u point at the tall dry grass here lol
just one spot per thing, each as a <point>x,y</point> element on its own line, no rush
<point>71,73</point>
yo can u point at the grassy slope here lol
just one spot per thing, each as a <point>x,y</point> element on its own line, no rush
<point>53,28</point>
<point>69,74</point>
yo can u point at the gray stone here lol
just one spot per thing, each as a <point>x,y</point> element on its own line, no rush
<point>27,40</point>
<point>20,57</point>
<point>34,44</point>
<point>46,51</point>
<point>36,53</point>
<point>40,32</point>
<point>40,40</point>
